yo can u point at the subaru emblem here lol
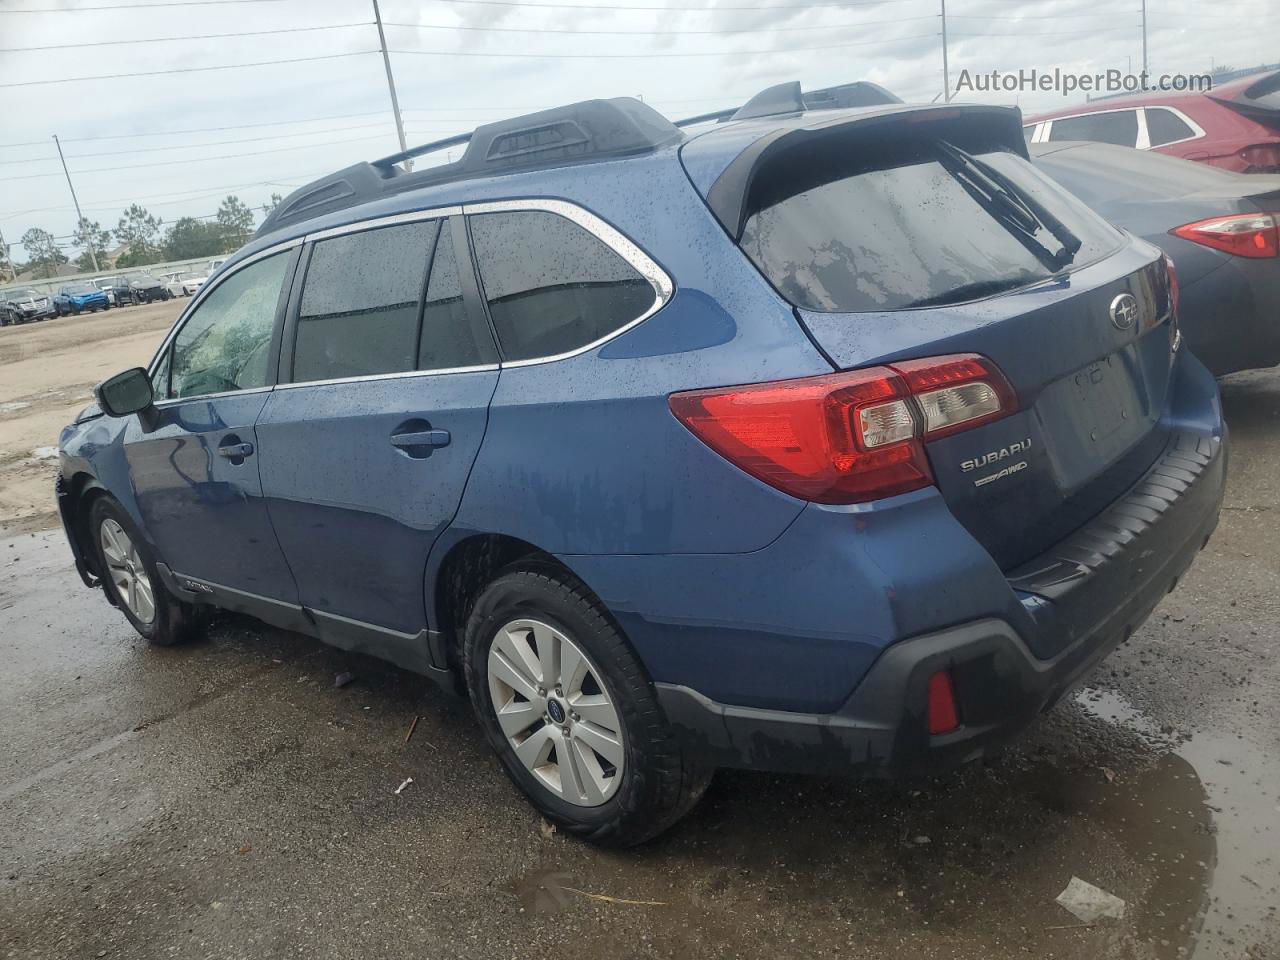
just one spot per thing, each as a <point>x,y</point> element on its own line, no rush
<point>1124,311</point>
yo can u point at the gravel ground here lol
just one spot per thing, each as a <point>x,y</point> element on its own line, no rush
<point>226,800</point>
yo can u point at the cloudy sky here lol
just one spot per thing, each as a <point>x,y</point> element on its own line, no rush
<point>181,137</point>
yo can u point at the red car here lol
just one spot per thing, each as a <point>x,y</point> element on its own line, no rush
<point>1236,126</point>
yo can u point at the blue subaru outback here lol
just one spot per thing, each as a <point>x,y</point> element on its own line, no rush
<point>828,436</point>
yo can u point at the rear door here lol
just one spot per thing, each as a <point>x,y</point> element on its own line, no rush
<point>386,378</point>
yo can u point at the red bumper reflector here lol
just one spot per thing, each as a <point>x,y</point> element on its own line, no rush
<point>943,715</point>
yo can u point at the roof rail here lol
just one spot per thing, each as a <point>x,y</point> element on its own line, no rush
<point>577,133</point>
<point>779,99</point>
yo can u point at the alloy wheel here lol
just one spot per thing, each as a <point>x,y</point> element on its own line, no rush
<point>127,571</point>
<point>550,701</point>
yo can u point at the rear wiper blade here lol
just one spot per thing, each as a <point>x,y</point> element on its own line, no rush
<point>1017,210</point>
<point>972,291</point>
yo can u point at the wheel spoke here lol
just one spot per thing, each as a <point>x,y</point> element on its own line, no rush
<point>514,642</point>
<point>573,670</point>
<point>596,709</point>
<point>536,748</point>
<point>146,608</point>
<point>588,767</point>
<point>548,653</point>
<point>601,741</point>
<point>501,668</point>
<point>570,774</point>
<point>518,716</point>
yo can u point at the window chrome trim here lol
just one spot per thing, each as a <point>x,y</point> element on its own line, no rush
<point>175,401</point>
<point>435,213</point>
<point>646,266</point>
<point>202,294</point>
<point>401,375</point>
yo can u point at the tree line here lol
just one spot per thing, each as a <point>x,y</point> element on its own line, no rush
<point>145,238</point>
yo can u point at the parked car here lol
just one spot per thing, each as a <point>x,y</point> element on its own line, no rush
<point>117,290</point>
<point>22,304</point>
<point>813,440</point>
<point>1235,126</point>
<point>1219,227</point>
<point>147,289</point>
<point>184,283</point>
<point>79,297</point>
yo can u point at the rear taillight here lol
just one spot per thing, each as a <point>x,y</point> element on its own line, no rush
<point>847,437</point>
<point>1262,157</point>
<point>1244,235</point>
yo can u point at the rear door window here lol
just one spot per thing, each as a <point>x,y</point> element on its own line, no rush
<point>1114,126</point>
<point>1165,126</point>
<point>887,227</point>
<point>360,303</point>
<point>552,286</point>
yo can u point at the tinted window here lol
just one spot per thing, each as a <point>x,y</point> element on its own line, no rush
<point>552,286</point>
<point>1119,127</point>
<point>226,344</point>
<point>1028,132</point>
<point>1165,126</point>
<point>448,338</point>
<point>888,228</point>
<point>359,313</point>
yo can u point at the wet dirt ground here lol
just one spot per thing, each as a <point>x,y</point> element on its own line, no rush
<point>47,374</point>
<point>226,800</point>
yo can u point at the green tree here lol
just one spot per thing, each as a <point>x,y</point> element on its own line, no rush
<point>140,231</point>
<point>235,220</point>
<point>43,253</point>
<point>188,238</point>
<point>269,207</point>
<point>93,240</point>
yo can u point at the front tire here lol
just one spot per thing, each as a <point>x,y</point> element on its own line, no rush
<point>568,707</point>
<point>130,580</point>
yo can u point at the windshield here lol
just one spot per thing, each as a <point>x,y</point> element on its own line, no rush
<point>21,293</point>
<point>82,288</point>
<point>144,280</point>
<point>893,227</point>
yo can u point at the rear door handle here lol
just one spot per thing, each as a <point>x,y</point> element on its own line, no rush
<point>421,438</point>
<point>236,451</point>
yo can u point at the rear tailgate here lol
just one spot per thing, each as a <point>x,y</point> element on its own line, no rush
<point>1090,397</point>
<point>887,253</point>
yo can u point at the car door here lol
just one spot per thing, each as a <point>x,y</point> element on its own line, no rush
<point>366,445</point>
<point>193,460</point>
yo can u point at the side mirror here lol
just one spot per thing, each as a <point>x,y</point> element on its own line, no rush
<point>125,393</point>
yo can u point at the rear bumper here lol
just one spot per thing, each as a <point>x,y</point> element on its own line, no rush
<point>1093,589</point>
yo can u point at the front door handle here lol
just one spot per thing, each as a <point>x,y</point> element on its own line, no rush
<point>236,451</point>
<point>421,438</point>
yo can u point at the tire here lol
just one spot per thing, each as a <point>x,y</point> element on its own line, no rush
<point>76,311</point>
<point>172,621</point>
<point>658,781</point>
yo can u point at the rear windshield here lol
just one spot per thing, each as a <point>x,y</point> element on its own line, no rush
<point>873,227</point>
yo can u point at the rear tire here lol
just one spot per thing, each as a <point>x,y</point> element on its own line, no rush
<point>131,581</point>
<point>655,781</point>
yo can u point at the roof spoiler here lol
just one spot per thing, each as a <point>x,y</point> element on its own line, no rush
<point>1259,101</point>
<point>787,98</point>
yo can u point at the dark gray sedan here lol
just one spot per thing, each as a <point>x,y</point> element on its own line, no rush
<point>1219,227</point>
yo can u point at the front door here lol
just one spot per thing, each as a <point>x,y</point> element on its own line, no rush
<point>194,459</point>
<point>367,443</point>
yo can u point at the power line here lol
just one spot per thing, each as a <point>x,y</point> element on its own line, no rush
<point>136,6</point>
<point>225,66</point>
<point>1067,33</point>
<point>173,133</point>
<point>202,36</point>
<point>645,56</point>
<point>662,33</point>
<point>197,146</point>
<point>224,156</point>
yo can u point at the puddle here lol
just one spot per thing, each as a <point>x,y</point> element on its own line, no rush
<point>1239,787</point>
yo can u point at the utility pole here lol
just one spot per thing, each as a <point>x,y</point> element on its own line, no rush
<point>79,216</point>
<point>1144,37</point>
<point>391,82</point>
<point>946,71</point>
<point>8,258</point>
